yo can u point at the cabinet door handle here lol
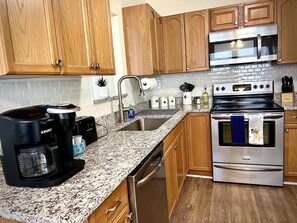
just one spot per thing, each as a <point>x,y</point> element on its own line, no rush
<point>93,66</point>
<point>279,60</point>
<point>98,66</point>
<point>118,202</point>
<point>286,130</point>
<point>188,68</point>
<point>176,147</point>
<point>130,217</point>
<point>294,116</point>
<point>59,63</point>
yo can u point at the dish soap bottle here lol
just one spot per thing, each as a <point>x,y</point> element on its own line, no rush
<point>205,98</point>
<point>131,113</point>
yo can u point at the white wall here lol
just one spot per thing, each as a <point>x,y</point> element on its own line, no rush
<point>171,7</point>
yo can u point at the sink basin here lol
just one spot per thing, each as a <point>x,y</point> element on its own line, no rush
<point>145,124</point>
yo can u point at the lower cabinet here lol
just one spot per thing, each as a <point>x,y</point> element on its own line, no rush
<point>115,209</point>
<point>290,146</point>
<point>199,143</point>
<point>175,154</point>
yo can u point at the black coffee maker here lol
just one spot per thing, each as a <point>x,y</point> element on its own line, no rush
<point>37,145</point>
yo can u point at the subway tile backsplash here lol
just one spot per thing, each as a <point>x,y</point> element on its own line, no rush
<point>169,84</point>
<point>21,92</point>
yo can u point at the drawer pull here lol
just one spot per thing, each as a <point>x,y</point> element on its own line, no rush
<point>118,202</point>
<point>294,116</point>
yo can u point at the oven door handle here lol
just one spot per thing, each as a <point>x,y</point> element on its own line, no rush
<point>259,169</point>
<point>264,117</point>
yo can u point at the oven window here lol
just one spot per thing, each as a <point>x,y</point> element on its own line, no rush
<point>225,138</point>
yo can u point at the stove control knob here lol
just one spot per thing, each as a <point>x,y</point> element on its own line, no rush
<point>267,85</point>
<point>261,86</point>
<point>255,86</point>
<point>217,88</point>
<point>223,88</point>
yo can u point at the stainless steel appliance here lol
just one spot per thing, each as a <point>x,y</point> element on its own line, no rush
<point>37,145</point>
<point>244,45</point>
<point>240,161</point>
<point>147,189</point>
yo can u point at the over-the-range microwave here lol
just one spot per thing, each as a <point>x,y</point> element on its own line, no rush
<point>243,45</point>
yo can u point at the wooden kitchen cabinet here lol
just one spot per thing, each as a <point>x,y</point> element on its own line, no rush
<point>174,43</point>
<point>248,14</point>
<point>53,37</point>
<point>174,153</point>
<point>142,39</point>
<point>196,40</point>
<point>287,31</point>
<point>84,38</point>
<point>27,38</point>
<point>224,18</point>
<point>290,145</point>
<point>199,143</point>
<point>185,38</point>
<point>119,215</point>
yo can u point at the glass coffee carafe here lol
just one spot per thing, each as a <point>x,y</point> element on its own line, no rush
<point>37,161</point>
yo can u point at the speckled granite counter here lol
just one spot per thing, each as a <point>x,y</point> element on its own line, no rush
<point>108,162</point>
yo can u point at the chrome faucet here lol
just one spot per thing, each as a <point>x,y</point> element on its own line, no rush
<point>121,106</point>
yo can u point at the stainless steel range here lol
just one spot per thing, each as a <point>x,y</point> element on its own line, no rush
<point>247,134</point>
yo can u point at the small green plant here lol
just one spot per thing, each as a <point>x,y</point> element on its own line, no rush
<point>101,82</point>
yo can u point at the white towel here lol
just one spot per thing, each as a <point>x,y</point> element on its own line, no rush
<point>256,129</point>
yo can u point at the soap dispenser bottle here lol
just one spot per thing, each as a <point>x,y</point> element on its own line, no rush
<point>205,98</point>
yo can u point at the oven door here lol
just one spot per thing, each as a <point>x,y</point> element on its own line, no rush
<point>270,153</point>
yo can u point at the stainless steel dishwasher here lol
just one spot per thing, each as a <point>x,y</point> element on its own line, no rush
<point>147,189</point>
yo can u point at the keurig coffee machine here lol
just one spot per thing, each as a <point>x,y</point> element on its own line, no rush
<point>37,145</point>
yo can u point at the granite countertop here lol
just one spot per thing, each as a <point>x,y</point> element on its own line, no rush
<point>108,162</point>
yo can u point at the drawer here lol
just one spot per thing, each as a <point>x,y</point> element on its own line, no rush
<point>117,200</point>
<point>172,135</point>
<point>290,116</point>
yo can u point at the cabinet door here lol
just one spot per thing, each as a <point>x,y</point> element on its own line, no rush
<point>101,36</point>
<point>123,216</point>
<point>153,17</point>
<point>290,151</point>
<point>287,31</point>
<point>199,143</point>
<point>27,38</point>
<point>258,13</point>
<point>179,150</point>
<point>224,18</point>
<point>171,182</point>
<point>137,40</point>
<point>196,34</point>
<point>72,30</point>
<point>174,44</point>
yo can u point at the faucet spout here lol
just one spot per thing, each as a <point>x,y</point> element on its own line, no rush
<point>121,106</point>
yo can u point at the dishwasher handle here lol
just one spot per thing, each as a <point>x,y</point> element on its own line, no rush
<point>151,174</point>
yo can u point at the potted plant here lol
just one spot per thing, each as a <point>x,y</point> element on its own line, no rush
<point>102,90</point>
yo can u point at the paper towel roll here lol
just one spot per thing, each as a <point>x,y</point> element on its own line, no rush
<point>148,83</point>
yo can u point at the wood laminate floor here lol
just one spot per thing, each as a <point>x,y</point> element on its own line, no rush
<point>202,200</point>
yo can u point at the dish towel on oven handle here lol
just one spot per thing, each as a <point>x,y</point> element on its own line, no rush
<point>256,129</point>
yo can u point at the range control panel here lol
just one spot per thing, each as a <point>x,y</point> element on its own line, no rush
<point>261,87</point>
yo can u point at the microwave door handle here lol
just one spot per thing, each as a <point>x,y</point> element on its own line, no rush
<point>259,43</point>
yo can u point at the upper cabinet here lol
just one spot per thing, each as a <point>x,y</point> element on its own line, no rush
<point>174,43</point>
<point>287,30</point>
<point>249,14</point>
<point>142,37</point>
<point>27,37</point>
<point>185,38</point>
<point>224,18</point>
<point>196,36</point>
<point>53,37</point>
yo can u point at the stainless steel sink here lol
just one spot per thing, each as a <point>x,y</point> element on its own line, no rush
<point>145,124</point>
